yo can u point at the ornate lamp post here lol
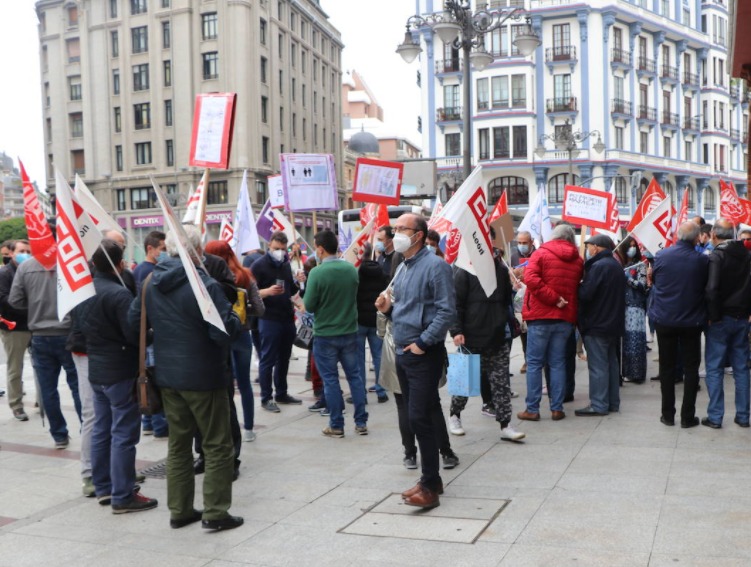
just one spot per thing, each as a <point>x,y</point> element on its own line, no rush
<point>567,140</point>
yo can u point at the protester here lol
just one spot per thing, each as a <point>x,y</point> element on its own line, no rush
<point>432,243</point>
<point>296,258</point>
<point>422,310</point>
<point>705,239</point>
<point>388,258</point>
<point>550,305</point>
<point>602,310</point>
<point>678,311</point>
<point>634,344</point>
<point>728,295</point>
<point>5,251</point>
<point>190,357</point>
<point>251,256</point>
<point>520,254</point>
<point>15,330</point>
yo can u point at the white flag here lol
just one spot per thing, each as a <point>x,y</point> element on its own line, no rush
<point>86,199</point>
<point>196,211</point>
<point>276,191</point>
<point>74,282</point>
<point>245,237</point>
<point>355,251</point>
<point>282,223</point>
<point>205,303</point>
<point>226,232</point>
<point>537,220</point>
<point>653,231</point>
<point>88,232</point>
<point>468,212</point>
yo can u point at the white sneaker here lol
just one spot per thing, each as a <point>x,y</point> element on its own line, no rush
<point>511,434</point>
<point>455,425</point>
<point>729,370</point>
<point>514,394</point>
<point>249,435</point>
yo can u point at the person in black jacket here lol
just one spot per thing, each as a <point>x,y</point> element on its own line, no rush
<point>602,309</point>
<point>372,282</point>
<point>111,346</point>
<point>480,327</point>
<point>728,307</point>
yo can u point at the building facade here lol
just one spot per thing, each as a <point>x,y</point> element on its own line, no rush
<point>647,78</point>
<point>11,188</point>
<point>119,80</point>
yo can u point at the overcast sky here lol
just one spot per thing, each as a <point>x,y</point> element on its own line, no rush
<point>370,31</point>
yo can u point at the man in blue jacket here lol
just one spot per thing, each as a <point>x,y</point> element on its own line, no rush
<point>602,312</point>
<point>679,312</point>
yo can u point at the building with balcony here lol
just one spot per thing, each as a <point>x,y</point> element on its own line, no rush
<point>119,81</point>
<point>11,188</point>
<point>649,79</point>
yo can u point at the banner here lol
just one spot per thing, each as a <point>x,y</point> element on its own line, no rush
<point>226,232</point>
<point>501,208</point>
<point>730,207</point>
<point>213,122</point>
<point>356,250</point>
<point>86,199</point>
<point>588,207</point>
<point>537,220</point>
<point>683,212</point>
<point>652,197</point>
<point>309,182</point>
<point>205,303</point>
<point>245,233</point>
<point>74,282</point>
<point>377,181</point>
<point>377,213</point>
<point>265,222</point>
<point>276,191</point>
<point>282,223</point>
<point>654,229</point>
<point>195,213</point>
<point>90,235</point>
<point>41,241</point>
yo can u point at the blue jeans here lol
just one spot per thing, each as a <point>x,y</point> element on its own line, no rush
<point>157,423</point>
<point>242,348</point>
<point>604,378</point>
<point>376,345</point>
<point>276,348</point>
<point>117,430</point>
<point>328,351</point>
<point>727,340</point>
<point>546,344</point>
<point>48,356</point>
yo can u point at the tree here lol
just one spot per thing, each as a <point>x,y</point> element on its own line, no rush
<point>13,229</point>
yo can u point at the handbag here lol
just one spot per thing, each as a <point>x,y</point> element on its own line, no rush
<point>304,337</point>
<point>463,373</point>
<point>147,393</point>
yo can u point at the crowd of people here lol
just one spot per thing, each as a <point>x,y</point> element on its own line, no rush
<point>403,300</point>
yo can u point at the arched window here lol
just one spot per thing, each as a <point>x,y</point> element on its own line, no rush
<point>556,187</point>
<point>516,187</point>
<point>641,189</point>
<point>669,191</point>
<point>691,196</point>
<point>621,190</point>
<point>710,203</point>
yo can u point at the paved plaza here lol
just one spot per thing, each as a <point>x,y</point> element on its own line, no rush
<point>621,490</point>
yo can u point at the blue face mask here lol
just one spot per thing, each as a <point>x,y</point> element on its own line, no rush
<point>631,252</point>
<point>587,255</point>
<point>21,257</point>
<point>523,249</point>
<point>431,248</point>
<point>380,246</point>
<point>162,256</point>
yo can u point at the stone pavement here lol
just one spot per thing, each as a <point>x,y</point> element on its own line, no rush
<point>620,490</point>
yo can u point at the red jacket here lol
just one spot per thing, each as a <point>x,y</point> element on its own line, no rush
<point>554,271</point>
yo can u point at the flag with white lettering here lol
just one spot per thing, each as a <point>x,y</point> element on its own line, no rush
<point>90,235</point>
<point>86,199</point>
<point>655,228</point>
<point>730,207</point>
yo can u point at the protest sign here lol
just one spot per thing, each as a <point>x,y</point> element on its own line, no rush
<point>309,182</point>
<point>377,181</point>
<point>213,122</point>
<point>585,206</point>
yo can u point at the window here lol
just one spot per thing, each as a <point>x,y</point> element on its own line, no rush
<point>263,69</point>
<point>293,54</point>
<point>142,115</point>
<point>304,129</point>
<point>48,130</point>
<point>688,148</point>
<point>293,88</point>
<point>116,81</point>
<point>166,3</point>
<point>518,91</point>
<point>666,144</point>
<point>138,7</point>
<point>665,8</point>
<point>169,150</point>
<point>45,59</point>
<point>619,90</point>
<point>168,113</point>
<point>115,43</point>
<point>113,8</point>
<point>46,94</point>
<point>618,138</point>
<point>121,205</point>
<point>686,16</point>
<point>280,10</point>
<point>262,32</point>
<point>73,47</point>
<point>281,118</point>
<point>166,34</point>
<point>73,17</point>
<point>210,65</point>
<point>453,144</point>
<point>140,39</point>
<point>143,153</point>
<point>294,124</point>
<point>500,92</point>
<point>562,41</point>
<point>562,90</point>
<point>516,30</point>
<point>482,94</point>
<point>501,147</point>
<point>483,137</point>
<point>209,25</point>
<point>556,186</point>
<point>517,190</point>
<point>74,85</point>
<point>167,72</point>
<point>76,125</point>
<point>520,141</point>
<point>303,61</point>
<point>264,109</point>
<point>264,149</point>
<point>281,86</point>
<point>644,142</point>
<point>142,198</point>
<point>280,46</point>
<point>709,199</point>
<point>499,42</point>
<point>141,77</point>
<point>79,161</point>
<point>118,119</point>
<point>217,193</point>
<point>621,190</point>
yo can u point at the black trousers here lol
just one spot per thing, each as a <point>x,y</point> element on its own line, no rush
<point>408,437</point>
<point>674,344</point>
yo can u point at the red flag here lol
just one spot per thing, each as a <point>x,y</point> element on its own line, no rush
<point>730,207</point>
<point>453,240</point>
<point>683,213</point>
<point>746,204</point>
<point>43,246</point>
<point>382,217</point>
<point>652,197</point>
<point>615,214</point>
<point>367,213</point>
<point>501,208</point>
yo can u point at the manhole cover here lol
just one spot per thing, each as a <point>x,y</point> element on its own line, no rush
<point>158,470</point>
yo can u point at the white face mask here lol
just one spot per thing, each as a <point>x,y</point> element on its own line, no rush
<point>277,255</point>
<point>402,242</point>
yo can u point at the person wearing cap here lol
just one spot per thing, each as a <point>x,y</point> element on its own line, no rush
<point>602,308</point>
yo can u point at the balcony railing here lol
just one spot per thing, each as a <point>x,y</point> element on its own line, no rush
<point>690,79</point>
<point>669,118</point>
<point>448,66</point>
<point>560,53</point>
<point>691,123</point>
<point>620,56</point>
<point>483,105</point>
<point>561,104</point>
<point>735,134</point>
<point>645,64</point>
<point>647,113</point>
<point>669,72</point>
<point>620,106</point>
<point>448,113</point>
<point>721,127</point>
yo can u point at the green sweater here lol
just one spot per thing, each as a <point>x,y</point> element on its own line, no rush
<point>331,294</point>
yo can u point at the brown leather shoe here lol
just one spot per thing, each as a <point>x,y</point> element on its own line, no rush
<point>423,498</point>
<point>557,415</point>
<point>528,416</point>
<point>416,488</point>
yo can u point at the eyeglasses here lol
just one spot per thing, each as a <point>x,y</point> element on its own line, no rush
<point>746,239</point>
<point>400,229</point>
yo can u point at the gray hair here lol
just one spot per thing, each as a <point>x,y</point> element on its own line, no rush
<point>723,229</point>
<point>524,232</point>
<point>194,239</point>
<point>564,232</point>
<point>688,232</point>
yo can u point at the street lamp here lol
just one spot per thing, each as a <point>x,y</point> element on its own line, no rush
<point>464,29</point>
<point>567,140</point>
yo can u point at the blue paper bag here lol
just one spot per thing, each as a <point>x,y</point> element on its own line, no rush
<point>463,373</point>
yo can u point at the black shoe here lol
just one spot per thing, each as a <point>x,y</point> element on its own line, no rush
<point>741,423</point>
<point>318,406</point>
<point>655,379</point>
<point>410,461</point>
<point>667,420</point>
<point>589,411</point>
<point>177,523</point>
<point>706,422</point>
<point>228,523</point>
<point>450,460</point>
<point>690,423</point>
<point>288,400</point>
<point>383,399</point>
<point>236,474</point>
<point>568,399</point>
<point>199,466</point>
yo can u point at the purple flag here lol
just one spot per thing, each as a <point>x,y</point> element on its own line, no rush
<point>265,222</point>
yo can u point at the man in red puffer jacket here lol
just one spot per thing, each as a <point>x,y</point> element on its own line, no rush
<point>550,305</point>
